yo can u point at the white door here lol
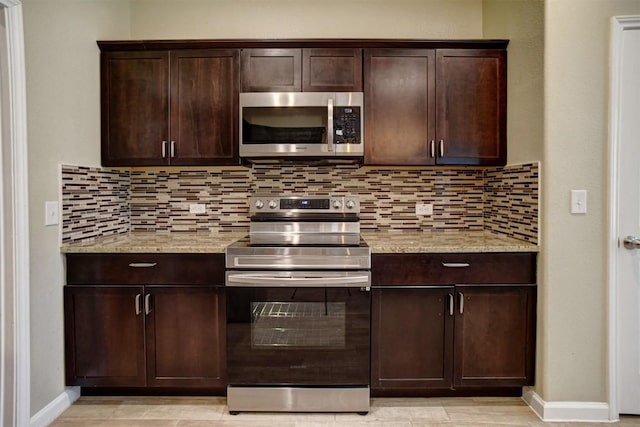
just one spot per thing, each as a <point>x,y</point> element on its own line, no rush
<point>627,124</point>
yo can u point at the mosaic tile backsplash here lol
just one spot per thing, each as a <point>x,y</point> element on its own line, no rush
<point>95,202</point>
<point>504,200</point>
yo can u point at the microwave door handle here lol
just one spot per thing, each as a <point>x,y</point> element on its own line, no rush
<point>330,130</point>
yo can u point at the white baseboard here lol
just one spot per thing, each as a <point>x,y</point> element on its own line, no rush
<point>567,411</point>
<point>56,407</point>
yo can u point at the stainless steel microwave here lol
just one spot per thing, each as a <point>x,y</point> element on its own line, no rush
<point>301,124</point>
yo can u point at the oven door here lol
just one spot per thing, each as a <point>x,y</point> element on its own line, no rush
<point>298,328</point>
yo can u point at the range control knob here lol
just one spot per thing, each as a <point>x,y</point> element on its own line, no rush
<point>337,204</point>
<point>259,204</point>
<point>273,204</point>
<point>351,204</point>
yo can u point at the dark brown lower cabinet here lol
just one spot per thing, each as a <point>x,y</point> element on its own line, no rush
<point>185,333</point>
<point>495,336</point>
<point>433,336</point>
<point>104,336</point>
<point>412,338</point>
<point>120,336</point>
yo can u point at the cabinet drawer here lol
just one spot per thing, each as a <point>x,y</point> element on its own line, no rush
<point>148,269</point>
<point>454,268</point>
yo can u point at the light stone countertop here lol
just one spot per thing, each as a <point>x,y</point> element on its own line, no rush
<point>380,242</point>
<point>448,241</point>
<point>177,242</point>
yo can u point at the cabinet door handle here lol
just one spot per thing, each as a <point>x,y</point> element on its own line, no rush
<point>142,264</point>
<point>137,302</point>
<point>442,148</point>
<point>432,149</point>
<point>173,149</point>
<point>330,129</point>
<point>461,296</point>
<point>164,149</point>
<point>451,304</point>
<point>455,264</point>
<point>147,304</point>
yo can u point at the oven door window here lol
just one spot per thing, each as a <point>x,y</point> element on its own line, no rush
<point>298,336</point>
<point>319,325</point>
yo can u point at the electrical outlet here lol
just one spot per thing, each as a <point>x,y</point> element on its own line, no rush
<point>578,201</point>
<point>197,208</point>
<point>424,209</point>
<point>51,213</point>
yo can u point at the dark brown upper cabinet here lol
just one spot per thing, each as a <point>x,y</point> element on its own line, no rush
<point>307,70</point>
<point>435,106</point>
<point>170,107</point>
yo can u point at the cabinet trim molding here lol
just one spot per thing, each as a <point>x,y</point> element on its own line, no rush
<point>119,45</point>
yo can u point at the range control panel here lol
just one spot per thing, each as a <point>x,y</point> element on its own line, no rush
<point>311,204</point>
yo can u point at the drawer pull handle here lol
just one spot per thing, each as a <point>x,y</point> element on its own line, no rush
<point>138,308</point>
<point>143,264</point>
<point>455,264</point>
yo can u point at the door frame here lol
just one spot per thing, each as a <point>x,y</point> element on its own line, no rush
<point>15,360</point>
<point>619,24</point>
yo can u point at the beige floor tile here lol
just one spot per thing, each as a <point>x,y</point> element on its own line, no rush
<point>88,422</point>
<point>232,423</point>
<point>81,410</point>
<point>184,412</point>
<point>498,415</point>
<point>406,413</point>
<point>396,412</point>
<point>370,423</point>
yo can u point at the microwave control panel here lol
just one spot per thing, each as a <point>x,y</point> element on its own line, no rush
<point>347,125</point>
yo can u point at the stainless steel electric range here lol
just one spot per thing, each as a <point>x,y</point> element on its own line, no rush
<point>298,308</point>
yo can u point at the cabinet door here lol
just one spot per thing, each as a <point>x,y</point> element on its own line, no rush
<point>412,338</point>
<point>495,335</point>
<point>332,70</point>
<point>185,336</point>
<point>135,108</point>
<point>471,107</point>
<point>104,336</point>
<point>271,70</point>
<point>399,88</point>
<point>204,107</point>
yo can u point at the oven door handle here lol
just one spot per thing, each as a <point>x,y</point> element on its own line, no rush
<point>261,279</point>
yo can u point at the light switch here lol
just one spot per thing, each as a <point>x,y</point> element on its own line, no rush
<point>51,213</point>
<point>578,201</point>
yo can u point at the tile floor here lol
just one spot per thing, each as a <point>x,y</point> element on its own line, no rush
<point>212,412</point>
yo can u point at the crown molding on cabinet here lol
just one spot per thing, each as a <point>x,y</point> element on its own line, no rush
<point>119,45</point>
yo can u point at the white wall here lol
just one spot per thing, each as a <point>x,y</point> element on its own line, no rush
<point>572,283</point>
<point>63,112</point>
<point>164,19</point>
